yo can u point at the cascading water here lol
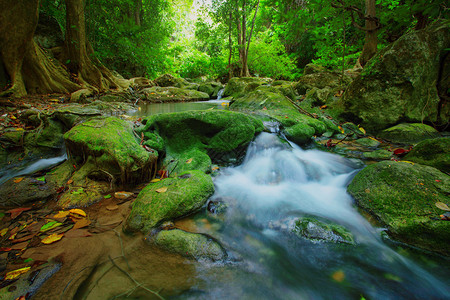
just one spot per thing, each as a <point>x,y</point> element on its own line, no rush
<point>278,183</point>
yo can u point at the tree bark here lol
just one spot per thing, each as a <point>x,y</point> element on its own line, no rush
<point>249,39</point>
<point>29,68</point>
<point>230,45</point>
<point>371,28</point>
<point>81,61</point>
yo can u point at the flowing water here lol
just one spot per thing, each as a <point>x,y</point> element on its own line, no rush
<point>277,183</point>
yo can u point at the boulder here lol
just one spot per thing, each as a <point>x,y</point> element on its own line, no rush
<point>81,96</point>
<point>109,146</point>
<point>212,88</point>
<point>238,85</point>
<point>171,94</point>
<point>167,80</point>
<point>378,154</point>
<point>191,245</point>
<point>316,230</point>
<point>27,190</point>
<point>169,199</point>
<point>408,133</point>
<point>320,81</point>
<point>432,152</point>
<point>400,82</point>
<point>403,197</point>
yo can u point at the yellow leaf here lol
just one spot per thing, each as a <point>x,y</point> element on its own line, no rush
<point>407,161</point>
<point>52,238</point>
<point>155,180</point>
<point>341,129</point>
<point>442,206</point>
<point>3,231</point>
<point>16,273</point>
<point>78,212</point>
<point>162,190</point>
<point>12,237</point>
<point>189,161</point>
<point>61,214</point>
<point>372,138</point>
<point>338,276</point>
<point>18,179</point>
<point>12,117</point>
<point>215,168</point>
<point>20,129</point>
<point>362,130</point>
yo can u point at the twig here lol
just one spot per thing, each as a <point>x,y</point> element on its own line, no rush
<point>134,280</point>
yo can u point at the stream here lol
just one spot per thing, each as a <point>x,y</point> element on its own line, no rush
<point>277,183</point>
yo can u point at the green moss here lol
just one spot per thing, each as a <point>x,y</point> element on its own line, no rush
<point>368,142</point>
<point>185,194</point>
<point>236,86</point>
<point>314,229</point>
<point>170,94</point>
<point>432,152</point>
<point>403,196</point>
<point>378,154</point>
<point>409,133</point>
<point>191,245</point>
<point>192,159</point>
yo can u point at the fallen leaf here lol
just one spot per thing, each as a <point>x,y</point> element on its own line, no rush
<point>3,231</point>
<point>81,223</point>
<point>17,211</point>
<point>76,233</point>
<point>338,276</point>
<point>41,178</point>
<point>122,195</point>
<point>61,214</point>
<point>400,151</point>
<point>442,206</point>
<point>341,129</point>
<point>362,129</point>
<point>17,180</point>
<point>189,161</point>
<point>112,207</point>
<point>16,273</point>
<point>13,236</point>
<point>69,181</point>
<point>162,190</point>
<point>107,196</point>
<point>323,106</point>
<point>20,246</point>
<point>50,225</point>
<point>407,161</point>
<point>52,238</point>
<point>78,211</point>
<point>5,249</point>
<point>215,168</point>
<point>155,180</point>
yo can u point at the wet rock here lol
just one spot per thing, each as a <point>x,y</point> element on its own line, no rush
<point>432,152</point>
<point>378,154</point>
<point>80,96</point>
<point>192,245</point>
<point>28,190</point>
<point>368,142</point>
<point>168,80</point>
<point>169,199</point>
<point>109,146</point>
<point>316,230</point>
<point>193,159</point>
<point>408,133</point>
<point>212,88</point>
<point>320,80</point>
<point>170,94</point>
<point>399,82</point>
<point>402,196</point>
<point>238,85</point>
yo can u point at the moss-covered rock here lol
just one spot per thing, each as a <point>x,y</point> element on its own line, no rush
<point>299,133</point>
<point>399,82</point>
<point>432,152</point>
<point>192,245</point>
<point>28,189</point>
<point>368,142</point>
<point>191,159</point>
<point>403,196</point>
<point>169,199</point>
<point>171,94</point>
<point>313,69</point>
<point>320,80</point>
<point>111,148</point>
<point>212,88</point>
<point>238,85</point>
<point>167,80</point>
<point>378,154</point>
<point>408,133</point>
<point>316,230</point>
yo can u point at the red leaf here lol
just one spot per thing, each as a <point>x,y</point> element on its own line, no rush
<point>17,211</point>
<point>400,151</point>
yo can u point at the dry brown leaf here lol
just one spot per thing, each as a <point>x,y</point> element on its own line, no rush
<point>20,246</point>
<point>61,214</point>
<point>78,211</point>
<point>17,180</point>
<point>442,206</point>
<point>69,181</point>
<point>122,195</point>
<point>189,161</point>
<point>81,223</point>
<point>52,238</point>
<point>338,276</point>
<point>77,233</point>
<point>162,190</point>
<point>112,207</point>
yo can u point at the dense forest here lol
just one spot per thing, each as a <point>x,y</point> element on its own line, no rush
<point>224,149</point>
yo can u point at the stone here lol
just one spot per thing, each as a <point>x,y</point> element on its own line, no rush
<point>28,190</point>
<point>408,133</point>
<point>238,85</point>
<point>432,152</point>
<point>167,80</point>
<point>191,245</point>
<point>80,96</point>
<point>402,196</point>
<point>168,199</point>
<point>378,154</point>
<point>316,230</point>
<point>399,82</point>
<point>212,88</point>
<point>171,94</point>
<point>368,142</point>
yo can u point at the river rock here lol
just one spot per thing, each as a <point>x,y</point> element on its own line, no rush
<point>167,80</point>
<point>317,230</point>
<point>320,80</point>
<point>432,152</point>
<point>238,85</point>
<point>169,199</point>
<point>171,94</point>
<point>212,88</point>
<point>408,133</point>
<point>27,190</point>
<point>399,82</point>
<point>380,154</point>
<point>192,245</point>
<point>403,196</point>
<point>109,146</point>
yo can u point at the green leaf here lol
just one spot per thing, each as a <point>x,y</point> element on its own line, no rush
<point>107,196</point>
<point>50,225</point>
<point>41,178</point>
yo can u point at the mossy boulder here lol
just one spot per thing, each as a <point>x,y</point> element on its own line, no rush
<point>380,154</point>
<point>238,85</point>
<point>191,159</point>
<point>191,245</point>
<point>167,80</point>
<point>317,230</point>
<point>169,199</point>
<point>408,133</point>
<point>111,148</point>
<point>212,88</point>
<point>368,142</point>
<point>432,152</point>
<point>313,69</point>
<point>320,80</point>
<point>403,196</point>
<point>171,94</point>
<point>399,82</point>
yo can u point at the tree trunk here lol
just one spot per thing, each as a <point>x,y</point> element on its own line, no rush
<point>230,71</point>
<point>29,68</point>
<point>137,12</point>
<point>244,69</point>
<point>371,40</point>
<point>91,73</point>
<point>422,21</point>
<point>249,39</point>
